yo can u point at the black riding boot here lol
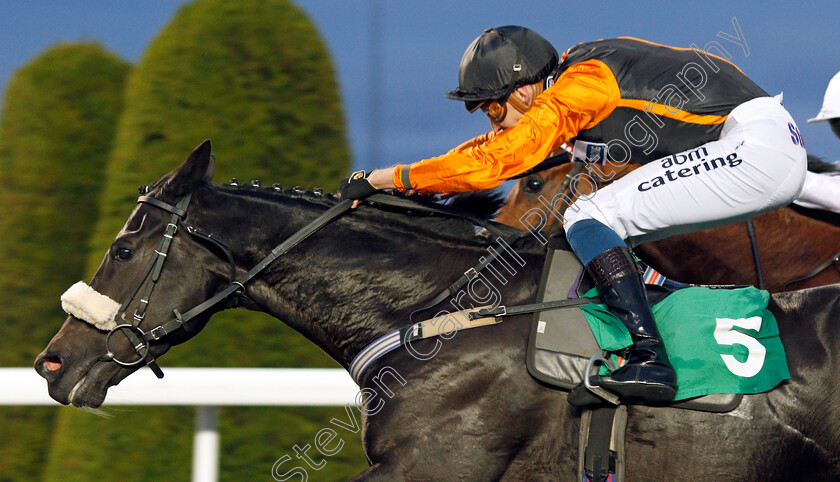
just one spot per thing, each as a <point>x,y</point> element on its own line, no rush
<point>647,376</point>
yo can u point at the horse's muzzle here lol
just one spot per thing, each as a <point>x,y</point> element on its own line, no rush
<point>49,366</point>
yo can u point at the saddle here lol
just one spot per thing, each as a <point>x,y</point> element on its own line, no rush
<point>561,348</point>
<point>562,345</point>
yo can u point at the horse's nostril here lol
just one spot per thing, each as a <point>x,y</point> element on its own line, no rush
<point>52,364</point>
<point>49,367</point>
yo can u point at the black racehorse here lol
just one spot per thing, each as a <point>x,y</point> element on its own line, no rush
<point>457,407</point>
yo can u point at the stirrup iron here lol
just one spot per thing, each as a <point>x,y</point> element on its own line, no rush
<point>601,357</point>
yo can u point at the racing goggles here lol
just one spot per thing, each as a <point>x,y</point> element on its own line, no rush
<point>495,109</point>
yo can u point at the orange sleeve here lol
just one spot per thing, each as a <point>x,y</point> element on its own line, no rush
<point>584,95</point>
<point>401,171</point>
<point>475,141</point>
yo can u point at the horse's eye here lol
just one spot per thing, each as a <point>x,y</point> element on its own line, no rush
<point>533,184</point>
<point>123,254</point>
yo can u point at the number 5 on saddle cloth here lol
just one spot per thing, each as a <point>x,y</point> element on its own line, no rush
<point>737,337</point>
<point>563,344</point>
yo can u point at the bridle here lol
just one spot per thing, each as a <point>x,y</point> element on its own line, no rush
<point>141,340</point>
<point>131,330</point>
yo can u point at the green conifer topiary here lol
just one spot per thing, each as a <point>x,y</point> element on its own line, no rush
<point>254,77</point>
<point>56,132</point>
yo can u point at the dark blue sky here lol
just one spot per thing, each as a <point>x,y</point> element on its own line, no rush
<point>788,47</point>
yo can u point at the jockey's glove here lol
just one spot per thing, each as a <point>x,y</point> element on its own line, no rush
<point>356,186</point>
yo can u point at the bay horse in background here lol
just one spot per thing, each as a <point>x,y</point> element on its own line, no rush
<point>796,247</point>
<point>471,411</point>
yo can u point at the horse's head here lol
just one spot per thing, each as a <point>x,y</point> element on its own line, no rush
<point>527,204</point>
<point>105,338</point>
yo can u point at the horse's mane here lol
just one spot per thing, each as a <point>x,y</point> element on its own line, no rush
<point>483,204</point>
<point>480,204</point>
<point>816,164</point>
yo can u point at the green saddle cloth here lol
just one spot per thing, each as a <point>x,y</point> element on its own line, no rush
<point>718,340</point>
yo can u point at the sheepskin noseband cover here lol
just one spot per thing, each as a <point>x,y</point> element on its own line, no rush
<point>85,303</point>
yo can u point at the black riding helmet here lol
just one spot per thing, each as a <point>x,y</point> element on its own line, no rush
<point>487,68</point>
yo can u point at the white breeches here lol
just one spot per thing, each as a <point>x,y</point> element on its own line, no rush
<point>758,164</point>
<point>821,191</point>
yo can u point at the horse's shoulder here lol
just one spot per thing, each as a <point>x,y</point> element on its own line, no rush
<point>816,304</point>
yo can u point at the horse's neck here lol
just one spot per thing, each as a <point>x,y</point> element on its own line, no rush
<point>808,327</point>
<point>790,245</point>
<point>353,281</point>
<point>829,218</point>
<point>795,240</point>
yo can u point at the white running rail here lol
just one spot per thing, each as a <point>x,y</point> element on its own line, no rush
<point>206,389</point>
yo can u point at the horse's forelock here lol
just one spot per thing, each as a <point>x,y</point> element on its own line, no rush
<point>161,189</point>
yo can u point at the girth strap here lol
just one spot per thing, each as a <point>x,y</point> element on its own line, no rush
<point>601,444</point>
<point>449,324</point>
<point>597,461</point>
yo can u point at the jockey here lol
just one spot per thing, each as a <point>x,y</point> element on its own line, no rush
<point>715,149</point>
<point>822,191</point>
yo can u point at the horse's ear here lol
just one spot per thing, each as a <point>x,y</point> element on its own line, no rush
<point>198,168</point>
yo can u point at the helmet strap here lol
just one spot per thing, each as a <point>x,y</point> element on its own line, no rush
<point>535,90</point>
<point>517,67</point>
